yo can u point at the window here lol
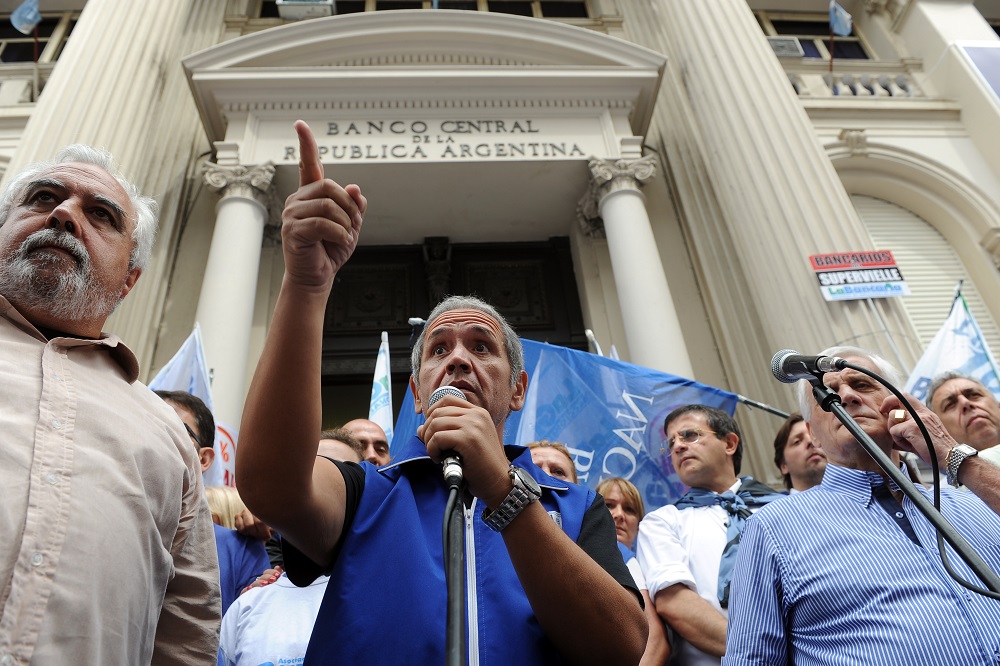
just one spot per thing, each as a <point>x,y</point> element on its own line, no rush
<point>556,9</point>
<point>52,33</point>
<point>813,34</point>
<point>930,265</point>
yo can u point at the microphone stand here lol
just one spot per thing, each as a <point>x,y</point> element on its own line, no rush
<point>830,402</point>
<point>454,569</point>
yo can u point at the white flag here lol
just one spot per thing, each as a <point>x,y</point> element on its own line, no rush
<point>380,410</point>
<point>958,346</point>
<point>187,371</point>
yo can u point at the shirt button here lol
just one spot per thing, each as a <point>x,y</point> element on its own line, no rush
<point>7,660</point>
<point>37,559</point>
<point>52,478</point>
<point>899,514</point>
<point>57,424</point>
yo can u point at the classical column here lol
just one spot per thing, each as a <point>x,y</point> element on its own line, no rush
<point>615,208</point>
<point>758,195</point>
<point>225,307</point>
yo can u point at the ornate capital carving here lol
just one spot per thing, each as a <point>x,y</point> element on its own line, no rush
<point>609,176</point>
<point>890,7</point>
<point>252,182</point>
<point>856,140</point>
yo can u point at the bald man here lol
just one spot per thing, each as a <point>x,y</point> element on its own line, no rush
<point>372,438</point>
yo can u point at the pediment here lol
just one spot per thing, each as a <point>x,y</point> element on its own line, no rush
<point>421,57</point>
<point>425,38</point>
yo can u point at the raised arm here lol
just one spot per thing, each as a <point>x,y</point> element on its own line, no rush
<point>282,418</point>
<point>977,474</point>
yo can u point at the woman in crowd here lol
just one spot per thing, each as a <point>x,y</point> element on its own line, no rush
<point>625,504</point>
<point>554,459</point>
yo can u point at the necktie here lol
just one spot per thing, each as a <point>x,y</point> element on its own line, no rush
<point>737,505</point>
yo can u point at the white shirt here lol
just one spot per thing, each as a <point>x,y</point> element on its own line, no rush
<point>271,624</point>
<point>992,454</point>
<point>685,546</point>
<point>636,571</point>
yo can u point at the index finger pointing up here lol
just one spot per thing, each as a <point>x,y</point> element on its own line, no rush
<point>310,166</point>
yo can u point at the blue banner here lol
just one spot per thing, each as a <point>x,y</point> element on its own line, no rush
<point>608,413</point>
<point>840,21</point>
<point>26,17</point>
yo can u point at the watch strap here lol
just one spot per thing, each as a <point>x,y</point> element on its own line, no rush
<point>958,455</point>
<point>519,497</point>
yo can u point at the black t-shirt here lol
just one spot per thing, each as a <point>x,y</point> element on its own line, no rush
<point>597,536</point>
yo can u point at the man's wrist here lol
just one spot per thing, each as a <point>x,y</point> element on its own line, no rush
<point>957,457</point>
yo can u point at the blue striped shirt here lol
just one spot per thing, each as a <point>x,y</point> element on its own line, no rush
<point>829,577</point>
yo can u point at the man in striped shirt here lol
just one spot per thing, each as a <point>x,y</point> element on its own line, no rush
<point>849,572</point>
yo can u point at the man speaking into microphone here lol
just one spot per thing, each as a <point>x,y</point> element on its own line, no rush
<point>545,581</point>
<point>849,572</point>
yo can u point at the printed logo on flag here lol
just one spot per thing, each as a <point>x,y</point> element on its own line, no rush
<point>957,346</point>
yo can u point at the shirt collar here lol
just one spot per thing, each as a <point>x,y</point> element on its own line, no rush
<point>120,353</point>
<point>414,449</point>
<point>855,484</point>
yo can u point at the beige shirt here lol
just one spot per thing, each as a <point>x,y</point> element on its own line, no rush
<point>103,519</point>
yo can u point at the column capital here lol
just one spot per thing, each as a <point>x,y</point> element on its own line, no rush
<point>607,177</point>
<point>250,182</point>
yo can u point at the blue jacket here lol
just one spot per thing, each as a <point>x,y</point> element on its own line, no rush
<point>386,600</point>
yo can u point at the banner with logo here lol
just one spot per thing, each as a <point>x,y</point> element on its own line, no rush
<point>187,371</point>
<point>959,345</point>
<point>608,413</point>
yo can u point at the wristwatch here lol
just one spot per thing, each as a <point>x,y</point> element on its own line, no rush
<point>525,491</point>
<point>956,457</point>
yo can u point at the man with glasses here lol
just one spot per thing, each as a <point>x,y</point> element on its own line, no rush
<point>686,550</point>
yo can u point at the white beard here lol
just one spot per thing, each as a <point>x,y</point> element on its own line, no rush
<point>71,295</point>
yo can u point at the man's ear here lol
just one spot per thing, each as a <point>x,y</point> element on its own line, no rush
<point>520,392</point>
<point>784,469</point>
<point>207,455</point>
<point>417,405</point>
<point>130,280</point>
<point>732,441</point>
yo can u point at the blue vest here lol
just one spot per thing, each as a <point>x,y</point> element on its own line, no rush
<point>386,600</point>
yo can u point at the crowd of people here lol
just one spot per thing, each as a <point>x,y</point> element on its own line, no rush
<point>113,551</point>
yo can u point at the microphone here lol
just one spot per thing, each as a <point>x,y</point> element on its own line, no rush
<point>789,366</point>
<point>451,466</point>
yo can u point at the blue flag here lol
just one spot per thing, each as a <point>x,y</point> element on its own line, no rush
<point>608,413</point>
<point>840,21</point>
<point>958,346</point>
<point>26,17</point>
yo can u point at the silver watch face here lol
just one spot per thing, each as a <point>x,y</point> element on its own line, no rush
<point>520,475</point>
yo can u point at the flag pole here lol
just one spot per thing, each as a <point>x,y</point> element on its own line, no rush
<point>958,294</point>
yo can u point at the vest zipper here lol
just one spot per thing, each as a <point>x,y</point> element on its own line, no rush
<point>471,593</point>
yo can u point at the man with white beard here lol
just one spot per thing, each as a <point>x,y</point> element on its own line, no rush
<point>106,547</point>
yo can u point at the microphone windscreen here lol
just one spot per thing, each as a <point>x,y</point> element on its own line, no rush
<point>777,366</point>
<point>441,392</point>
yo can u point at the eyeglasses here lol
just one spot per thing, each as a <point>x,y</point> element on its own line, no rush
<point>194,437</point>
<point>688,437</point>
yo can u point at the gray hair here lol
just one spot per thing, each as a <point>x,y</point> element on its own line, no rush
<point>882,367</point>
<point>515,353</point>
<point>145,207</point>
<point>945,377</point>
